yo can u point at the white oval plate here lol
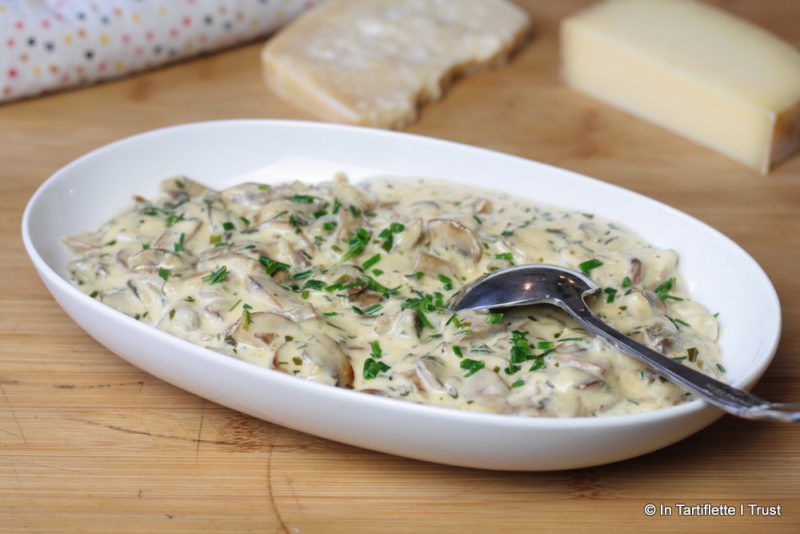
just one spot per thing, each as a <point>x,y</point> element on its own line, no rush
<point>89,190</point>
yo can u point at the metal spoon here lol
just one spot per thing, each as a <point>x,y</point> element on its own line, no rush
<point>536,284</point>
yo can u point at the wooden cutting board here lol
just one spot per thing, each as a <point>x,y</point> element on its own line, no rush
<point>92,444</point>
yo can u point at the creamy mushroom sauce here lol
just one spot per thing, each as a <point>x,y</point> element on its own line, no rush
<point>350,286</point>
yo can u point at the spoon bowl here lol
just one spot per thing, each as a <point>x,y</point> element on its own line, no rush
<point>525,285</point>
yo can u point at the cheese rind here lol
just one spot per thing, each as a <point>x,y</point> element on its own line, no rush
<point>372,62</point>
<point>694,69</point>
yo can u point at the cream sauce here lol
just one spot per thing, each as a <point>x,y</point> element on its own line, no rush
<point>349,286</point>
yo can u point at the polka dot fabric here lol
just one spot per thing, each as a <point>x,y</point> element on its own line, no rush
<point>46,45</point>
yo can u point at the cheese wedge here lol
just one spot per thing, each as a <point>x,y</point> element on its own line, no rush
<point>373,62</point>
<point>693,69</point>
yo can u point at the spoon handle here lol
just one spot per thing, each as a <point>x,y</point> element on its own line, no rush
<point>730,399</point>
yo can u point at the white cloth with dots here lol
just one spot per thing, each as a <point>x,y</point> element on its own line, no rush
<point>46,45</point>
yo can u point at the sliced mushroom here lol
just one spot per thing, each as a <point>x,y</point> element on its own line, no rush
<point>402,325</point>
<point>432,265</point>
<point>487,390</point>
<point>265,329</point>
<point>482,205</point>
<point>345,225</point>
<point>410,237</point>
<point>172,235</point>
<point>579,363</point>
<point>249,196</point>
<point>432,376</point>
<point>302,313</point>
<point>123,300</point>
<point>180,186</point>
<point>350,195</point>
<point>473,326</point>
<point>87,271</point>
<point>152,259</point>
<point>146,289</point>
<point>636,271</point>
<point>523,242</point>
<point>83,241</point>
<point>320,359</point>
<point>423,209</point>
<point>450,232</point>
<point>180,321</point>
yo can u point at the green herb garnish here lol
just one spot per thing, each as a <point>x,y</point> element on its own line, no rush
<point>217,276</point>
<point>588,265</point>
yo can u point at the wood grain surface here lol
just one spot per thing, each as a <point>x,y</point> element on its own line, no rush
<point>89,443</point>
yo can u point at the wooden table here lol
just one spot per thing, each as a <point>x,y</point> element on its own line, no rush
<point>92,444</point>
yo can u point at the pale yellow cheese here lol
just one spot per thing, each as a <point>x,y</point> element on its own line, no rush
<point>373,62</point>
<point>693,69</point>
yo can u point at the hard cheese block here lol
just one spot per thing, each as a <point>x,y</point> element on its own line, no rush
<point>694,69</point>
<point>372,62</point>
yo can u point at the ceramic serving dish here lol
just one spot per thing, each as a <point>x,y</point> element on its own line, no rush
<point>89,190</point>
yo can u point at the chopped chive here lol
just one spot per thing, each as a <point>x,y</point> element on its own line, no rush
<point>626,282</point>
<point>163,273</point>
<point>457,351</point>
<point>504,256</point>
<point>692,353</point>
<point>295,220</point>
<point>303,199</point>
<point>588,265</point>
<point>676,322</point>
<point>721,368</point>
<point>537,364</point>
<point>370,262</point>
<point>178,246</point>
<point>271,265</point>
<point>494,318</point>
<point>663,288</point>
<point>189,299</point>
<point>336,206</point>
<point>172,219</point>
<point>217,276</point>
<point>373,367</point>
<point>372,310</point>
<point>544,345</point>
<point>387,234</point>
<point>315,284</point>
<point>303,275</point>
<point>357,243</point>
<point>472,366</point>
<point>518,383</point>
<point>448,283</point>
<point>612,293</point>
<point>234,306</point>
<point>228,226</point>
